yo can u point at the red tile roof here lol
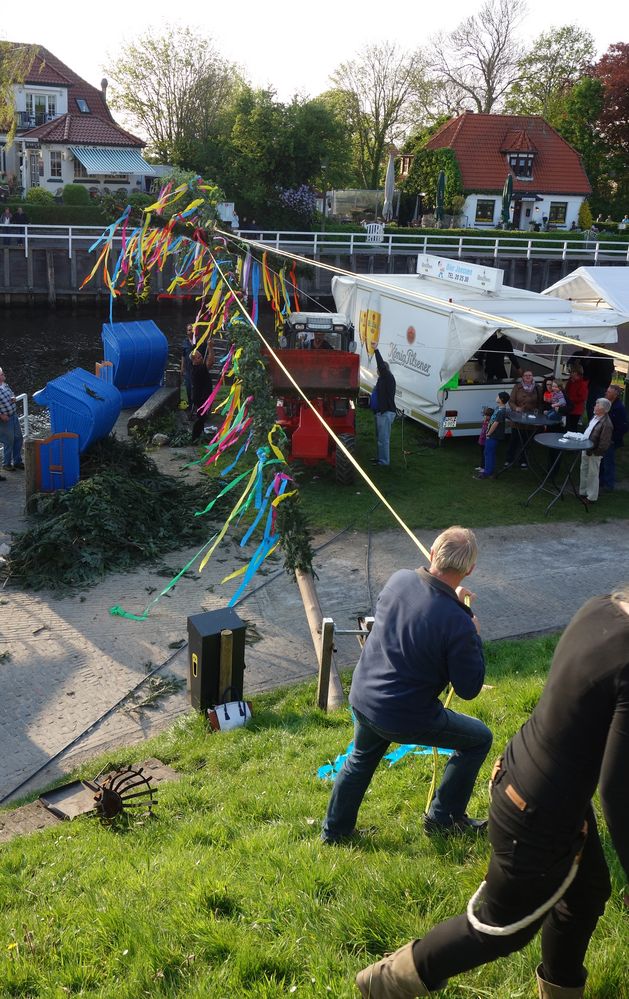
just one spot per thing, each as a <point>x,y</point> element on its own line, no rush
<point>94,128</point>
<point>82,130</point>
<point>481,141</point>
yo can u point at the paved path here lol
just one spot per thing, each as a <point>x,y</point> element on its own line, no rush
<point>70,660</point>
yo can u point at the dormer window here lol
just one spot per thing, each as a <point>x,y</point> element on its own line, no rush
<point>521,164</point>
<point>82,105</point>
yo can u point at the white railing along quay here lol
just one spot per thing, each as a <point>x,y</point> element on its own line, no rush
<point>315,244</point>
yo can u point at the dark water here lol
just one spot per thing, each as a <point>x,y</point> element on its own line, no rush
<point>39,343</point>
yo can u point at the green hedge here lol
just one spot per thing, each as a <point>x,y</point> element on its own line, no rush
<point>60,214</point>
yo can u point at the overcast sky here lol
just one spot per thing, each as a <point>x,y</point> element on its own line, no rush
<point>291,47</point>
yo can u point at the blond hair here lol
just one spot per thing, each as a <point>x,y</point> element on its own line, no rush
<point>455,549</point>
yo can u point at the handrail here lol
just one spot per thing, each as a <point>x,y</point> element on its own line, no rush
<point>23,398</point>
<point>511,244</point>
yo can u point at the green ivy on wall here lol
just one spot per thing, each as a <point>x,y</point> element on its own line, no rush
<point>425,170</point>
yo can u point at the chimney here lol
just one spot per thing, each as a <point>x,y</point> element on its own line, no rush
<point>104,83</point>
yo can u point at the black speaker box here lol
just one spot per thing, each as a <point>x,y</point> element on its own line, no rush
<point>204,655</point>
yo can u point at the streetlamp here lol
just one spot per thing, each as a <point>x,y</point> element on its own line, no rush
<point>324,167</point>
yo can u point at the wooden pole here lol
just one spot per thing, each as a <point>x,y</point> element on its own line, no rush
<point>326,649</point>
<point>314,616</point>
<point>30,472</point>
<point>227,653</point>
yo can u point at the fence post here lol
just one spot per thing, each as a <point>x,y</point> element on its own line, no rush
<point>326,648</point>
<point>26,241</point>
<point>70,242</point>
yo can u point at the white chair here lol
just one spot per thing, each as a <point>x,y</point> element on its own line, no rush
<point>375,232</point>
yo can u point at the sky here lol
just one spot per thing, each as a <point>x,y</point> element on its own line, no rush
<point>289,48</point>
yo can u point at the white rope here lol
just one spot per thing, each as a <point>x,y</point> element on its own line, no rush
<point>521,924</point>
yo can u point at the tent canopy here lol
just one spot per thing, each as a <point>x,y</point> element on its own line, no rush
<point>595,288</point>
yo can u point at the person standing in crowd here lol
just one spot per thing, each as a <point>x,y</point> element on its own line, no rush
<point>495,433</point>
<point>547,867</point>
<point>599,373</point>
<point>482,437</point>
<point>385,411</point>
<point>618,416</point>
<point>599,432</point>
<point>5,222</point>
<point>492,356</point>
<point>576,393</point>
<point>186,364</point>
<point>201,387</point>
<point>526,397</point>
<point>423,638</point>
<point>11,434</point>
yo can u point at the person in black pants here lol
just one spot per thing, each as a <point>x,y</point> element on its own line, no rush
<point>547,868</point>
<point>201,388</point>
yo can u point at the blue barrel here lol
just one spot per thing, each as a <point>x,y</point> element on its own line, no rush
<point>82,404</point>
<point>138,352</point>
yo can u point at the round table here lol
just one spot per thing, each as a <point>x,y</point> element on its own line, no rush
<point>562,445</point>
<point>524,420</point>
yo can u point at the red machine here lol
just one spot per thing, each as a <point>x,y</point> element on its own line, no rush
<point>318,351</point>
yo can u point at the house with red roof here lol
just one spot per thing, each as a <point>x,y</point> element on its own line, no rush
<point>66,133</point>
<point>549,181</point>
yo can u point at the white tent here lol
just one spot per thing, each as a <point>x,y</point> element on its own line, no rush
<point>598,289</point>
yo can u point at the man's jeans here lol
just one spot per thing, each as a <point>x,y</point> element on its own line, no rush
<point>607,471</point>
<point>384,422</point>
<point>470,739</point>
<point>12,439</point>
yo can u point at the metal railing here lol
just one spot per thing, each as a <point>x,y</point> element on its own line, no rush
<point>318,244</point>
<point>23,398</point>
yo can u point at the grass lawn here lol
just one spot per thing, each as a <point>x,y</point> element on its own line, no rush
<point>432,487</point>
<point>229,892</point>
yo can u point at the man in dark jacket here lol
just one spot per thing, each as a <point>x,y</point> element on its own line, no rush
<point>492,356</point>
<point>547,868</point>
<point>620,424</point>
<point>423,638</point>
<point>385,409</point>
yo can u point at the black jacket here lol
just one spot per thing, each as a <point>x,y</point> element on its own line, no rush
<point>385,386</point>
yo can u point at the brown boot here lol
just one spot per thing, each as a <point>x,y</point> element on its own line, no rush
<point>394,977</point>
<point>549,991</point>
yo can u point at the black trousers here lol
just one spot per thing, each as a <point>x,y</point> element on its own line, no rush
<point>532,852</point>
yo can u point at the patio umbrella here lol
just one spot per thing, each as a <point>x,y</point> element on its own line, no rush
<point>389,187</point>
<point>441,196</point>
<point>507,194</point>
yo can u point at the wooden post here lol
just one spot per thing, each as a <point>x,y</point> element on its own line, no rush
<point>326,648</point>
<point>30,472</point>
<point>50,273</point>
<point>227,653</point>
<point>314,616</point>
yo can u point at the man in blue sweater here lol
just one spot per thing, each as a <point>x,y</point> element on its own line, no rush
<point>423,638</point>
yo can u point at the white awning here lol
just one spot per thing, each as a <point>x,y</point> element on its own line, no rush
<point>107,160</point>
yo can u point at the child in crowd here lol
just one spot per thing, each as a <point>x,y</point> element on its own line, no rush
<point>548,392</point>
<point>482,437</point>
<point>557,402</point>
<point>495,433</point>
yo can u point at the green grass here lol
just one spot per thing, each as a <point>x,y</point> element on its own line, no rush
<point>229,892</point>
<point>432,487</point>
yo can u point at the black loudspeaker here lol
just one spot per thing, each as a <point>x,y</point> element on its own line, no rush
<point>204,655</point>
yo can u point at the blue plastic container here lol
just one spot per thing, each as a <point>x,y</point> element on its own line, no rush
<point>138,352</point>
<point>57,463</point>
<point>81,404</point>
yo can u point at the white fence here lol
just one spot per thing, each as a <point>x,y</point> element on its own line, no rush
<point>316,244</point>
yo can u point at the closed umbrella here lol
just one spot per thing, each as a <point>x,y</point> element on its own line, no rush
<point>389,187</point>
<point>507,194</point>
<point>441,196</point>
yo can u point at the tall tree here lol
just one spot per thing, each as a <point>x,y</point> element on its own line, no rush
<point>379,90</point>
<point>612,70</point>
<point>477,63</point>
<point>556,60</point>
<point>173,87</point>
<point>15,63</point>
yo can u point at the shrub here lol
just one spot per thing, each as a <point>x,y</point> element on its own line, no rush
<point>39,196</point>
<point>75,194</point>
<point>585,216</point>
